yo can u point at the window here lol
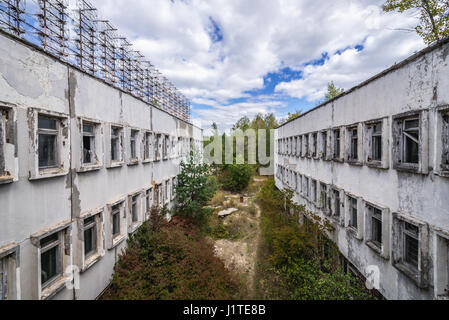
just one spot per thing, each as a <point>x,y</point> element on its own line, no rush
<point>307,187</point>
<point>376,225</point>
<point>337,203</point>
<point>306,145</point>
<point>3,119</point>
<point>89,154</point>
<point>353,144</point>
<point>148,200</point>
<point>337,144</point>
<point>133,145</point>
<point>116,217</point>
<point>445,137</point>
<point>134,209</point>
<point>411,248</point>
<point>376,142</point>
<point>353,223</point>
<point>315,145</point>
<point>295,144</point>
<point>174,183</point>
<point>3,280</point>
<point>407,140</point>
<point>314,191</point>
<point>48,131</point>
<point>51,259</point>
<point>411,245</point>
<point>299,148</point>
<point>324,145</point>
<point>90,237</point>
<point>148,143</point>
<point>116,134</point>
<point>157,146</point>
<point>323,195</point>
<point>410,141</point>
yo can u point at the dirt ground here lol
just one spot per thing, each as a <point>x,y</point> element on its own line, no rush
<point>241,255</point>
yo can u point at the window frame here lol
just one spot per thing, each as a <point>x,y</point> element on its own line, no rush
<point>356,229</point>
<point>8,141</point>
<point>116,163</point>
<point>441,164</point>
<point>10,258</point>
<point>113,240</point>
<point>382,248</point>
<point>422,167</point>
<point>420,274</point>
<point>98,146</point>
<point>135,199</point>
<point>337,156</point>
<point>50,132</point>
<point>134,134</point>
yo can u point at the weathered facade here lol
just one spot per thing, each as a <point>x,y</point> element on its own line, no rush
<point>375,163</point>
<point>81,164</point>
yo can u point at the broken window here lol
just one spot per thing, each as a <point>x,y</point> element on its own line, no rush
<point>307,187</point>
<point>134,209</point>
<point>323,196</point>
<point>90,236</point>
<point>148,200</point>
<point>3,280</point>
<point>89,155</point>
<point>48,131</point>
<point>337,144</point>
<point>324,145</point>
<point>375,216</point>
<point>354,142</point>
<point>314,191</point>
<point>314,145</point>
<point>445,137</point>
<point>337,203</point>
<point>376,142</point>
<point>411,245</point>
<point>408,140</point>
<point>3,119</point>
<point>115,212</point>
<point>306,145</point>
<point>353,212</point>
<point>116,144</point>
<point>148,143</point>
<point>133,144</point>
<point>51,259</point>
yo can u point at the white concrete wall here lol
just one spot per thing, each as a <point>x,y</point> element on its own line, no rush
<point>419,84</point>
<point>31,80</point>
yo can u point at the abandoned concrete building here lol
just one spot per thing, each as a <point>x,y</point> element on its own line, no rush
<point>374,162</point>
<point>81,165</point>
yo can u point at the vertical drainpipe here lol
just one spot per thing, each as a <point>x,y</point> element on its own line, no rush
<point>71,113</point>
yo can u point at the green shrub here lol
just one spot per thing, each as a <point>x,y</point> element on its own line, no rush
<point>172,262</point>
<point>236,177</point>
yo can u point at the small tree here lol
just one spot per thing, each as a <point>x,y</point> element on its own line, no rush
<point>434,16</point>
<point>195,187</point>
<point>333,91</point>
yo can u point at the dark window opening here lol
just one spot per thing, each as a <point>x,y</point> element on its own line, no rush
<point>324,144</point>
<point>376,226</point>
<point>353,212</point>
<point>410,136</point>
<point>116,221</point>
<point>445,135</point>
<point>353,154</point>
<point>115,144</point>
<point>134,209</point>
<point>411,245</point>
<point>336,144</point>
<point>90,236</point>
<point>51,259</point>
<point>88,144</point>
<point>337,203</point>
<point>3,280</point>
<point>376,143</point>
<point>133,142</point>
<point>48,140</point>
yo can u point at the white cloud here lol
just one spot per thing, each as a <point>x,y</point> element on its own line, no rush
<point>260,37</point>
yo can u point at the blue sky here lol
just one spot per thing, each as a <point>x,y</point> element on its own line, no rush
<point>236,58</point>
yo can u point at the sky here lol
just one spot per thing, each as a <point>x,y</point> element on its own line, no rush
<point>235,58</point>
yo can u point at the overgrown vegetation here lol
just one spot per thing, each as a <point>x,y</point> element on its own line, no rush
<point>171,261</point>
<point>236,177</point>
<point>297,262</point>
